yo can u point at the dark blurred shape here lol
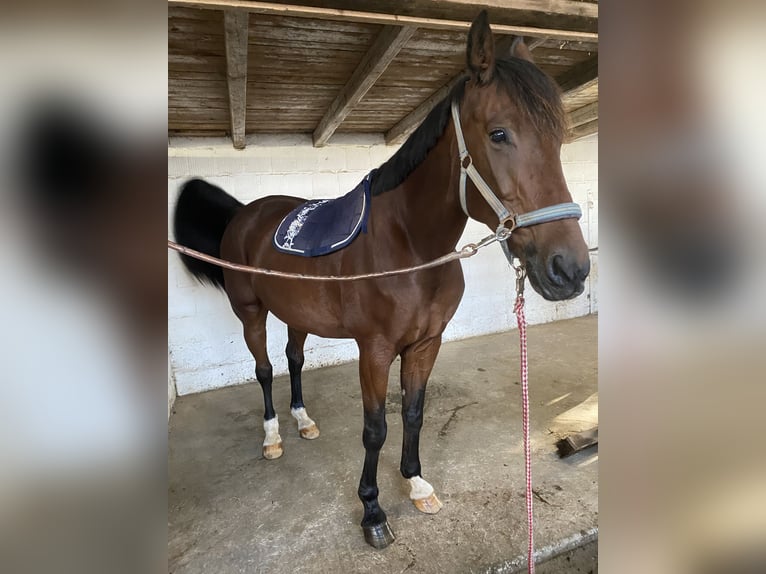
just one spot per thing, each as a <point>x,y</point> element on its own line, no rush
<point>92,194</point>
<point>67,157</point>
<point>67,168</point>
<point>682,229</point>
<point>664,162</point>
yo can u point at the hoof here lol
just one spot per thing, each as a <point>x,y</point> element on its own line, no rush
<point>378,535</point>
<point>428,505</point>
<point>272,451</point>
<point>310,433</point>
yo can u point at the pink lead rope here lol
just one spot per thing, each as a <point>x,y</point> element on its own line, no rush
<point>518,308</point>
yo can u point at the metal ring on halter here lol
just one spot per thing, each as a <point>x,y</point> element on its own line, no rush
<point>502,232</point>
<point>468,157</point>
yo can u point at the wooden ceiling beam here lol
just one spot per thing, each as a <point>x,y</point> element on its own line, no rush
<point>235,33</point>
<point>557,7</point>
<point>583,115</point>
<point>579,83</point>
<point>583,130</point>
<point>383,50</point>
<point>569,97</point>
<point>441,8</point>
<point>320,13</point>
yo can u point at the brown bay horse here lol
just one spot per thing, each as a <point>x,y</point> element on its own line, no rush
<point>513,124</point>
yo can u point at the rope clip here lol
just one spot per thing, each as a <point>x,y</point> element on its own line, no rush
<point>470,249</point>
<point>521,275</point>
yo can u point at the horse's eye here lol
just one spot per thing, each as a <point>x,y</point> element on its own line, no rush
<point>498,136</point>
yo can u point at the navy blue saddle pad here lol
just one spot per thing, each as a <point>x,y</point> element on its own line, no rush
<point>322,226</point>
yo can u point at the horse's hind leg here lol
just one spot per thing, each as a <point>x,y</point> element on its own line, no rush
<point>253,319</point>
<point>294,351</point>
<point>417,361</point>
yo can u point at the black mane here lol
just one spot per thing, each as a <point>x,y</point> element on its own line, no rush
<point>539,98</point>
<point>414,150</point>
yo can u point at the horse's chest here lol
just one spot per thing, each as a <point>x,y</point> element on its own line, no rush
<point>421,309</point>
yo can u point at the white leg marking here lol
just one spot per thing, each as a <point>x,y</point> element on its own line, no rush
<point>303,419</point>
<point>271,427</point>
<point>306,426</point>
<point>419,488</point>
<point>423,496</point>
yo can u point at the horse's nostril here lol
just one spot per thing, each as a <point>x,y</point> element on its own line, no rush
<point>557,272</point>
<point>563,270</point>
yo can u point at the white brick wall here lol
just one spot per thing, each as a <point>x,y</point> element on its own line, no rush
<point>205,338</point>
<point>171,387</point>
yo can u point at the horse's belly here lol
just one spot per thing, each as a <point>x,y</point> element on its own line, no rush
<point>314,309</point>
<point>323,325</point>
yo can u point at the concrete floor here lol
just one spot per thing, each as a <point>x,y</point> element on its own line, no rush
<point>230,510</point>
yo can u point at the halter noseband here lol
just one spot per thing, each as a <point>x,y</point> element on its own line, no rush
<point>544,215</point>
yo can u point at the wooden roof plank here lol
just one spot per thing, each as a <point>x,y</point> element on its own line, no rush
<point>259,7</point>
<point>385,48</point>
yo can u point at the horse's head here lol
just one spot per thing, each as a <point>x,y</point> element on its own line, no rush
<point>513,124</point>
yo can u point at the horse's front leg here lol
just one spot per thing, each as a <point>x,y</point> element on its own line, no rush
<point>375,360</point>
<point>417,361</point>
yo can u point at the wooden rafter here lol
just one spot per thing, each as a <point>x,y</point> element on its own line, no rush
<point>536,42</point>
<point>383,50</point>
<point>235,32</point>
<point>583,130</point>
<point>579,83</point>
<point>587,90</point>
<point>378,18</point>
<point>583,115</point>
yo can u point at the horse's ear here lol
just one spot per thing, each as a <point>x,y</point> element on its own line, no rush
<point>519,49</point>
<point>481,49</point>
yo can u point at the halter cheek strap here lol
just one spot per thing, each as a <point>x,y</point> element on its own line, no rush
<point>467,170</point>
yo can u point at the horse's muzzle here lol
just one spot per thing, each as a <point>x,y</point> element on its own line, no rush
<point>558,277</point>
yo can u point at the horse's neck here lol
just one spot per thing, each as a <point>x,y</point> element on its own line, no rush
<point>429,208</point>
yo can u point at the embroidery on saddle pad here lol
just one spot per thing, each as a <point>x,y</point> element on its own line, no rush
<point>322,226</point>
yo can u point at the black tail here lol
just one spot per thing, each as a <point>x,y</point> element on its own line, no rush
<point>202,213</point>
